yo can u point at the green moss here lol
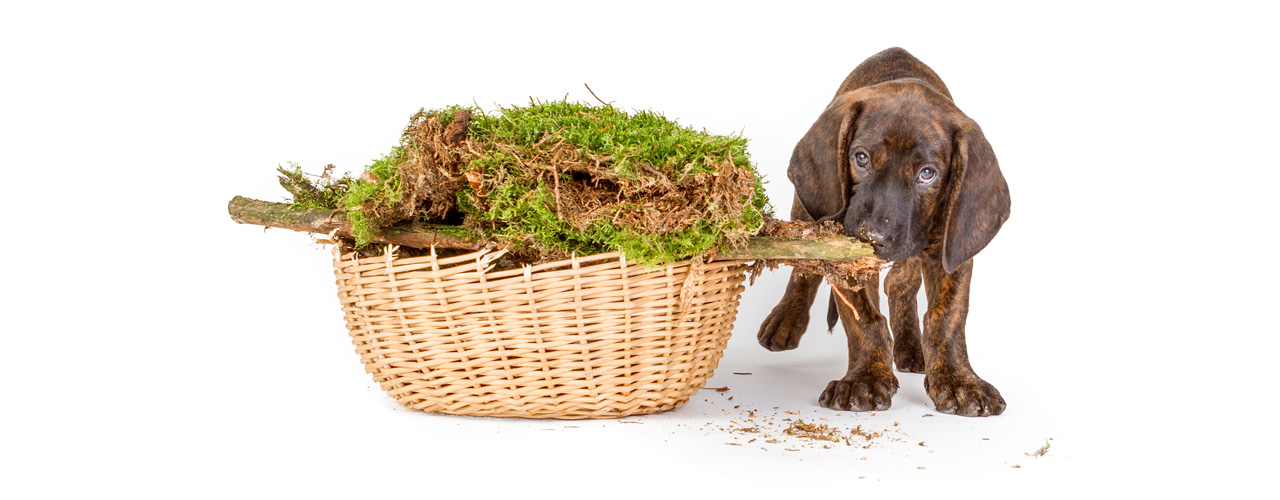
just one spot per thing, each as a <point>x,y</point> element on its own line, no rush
<point>634,144</point>
<point>631,140</point>
<point>450,230</point>
<point>613,169</point>
<point>385,168</point>
<point>362,194</point>
<point>307,195</point>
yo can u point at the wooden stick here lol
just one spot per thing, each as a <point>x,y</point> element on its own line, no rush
<point>263,213</point>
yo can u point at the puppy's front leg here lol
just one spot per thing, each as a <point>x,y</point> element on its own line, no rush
<point>783,327</point>
<point>869,383</point>
<point>901,284</point>
<point>949,379</point>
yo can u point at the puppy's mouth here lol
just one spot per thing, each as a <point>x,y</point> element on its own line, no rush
<point>871,238</point>
<point>883,250</point>
<point>865,236</point>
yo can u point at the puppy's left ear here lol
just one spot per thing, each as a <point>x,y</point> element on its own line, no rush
<point>979,201</point>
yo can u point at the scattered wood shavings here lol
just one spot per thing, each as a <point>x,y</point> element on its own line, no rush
<point>821,432</point>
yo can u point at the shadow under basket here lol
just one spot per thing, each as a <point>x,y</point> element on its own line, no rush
<point>588,337</point>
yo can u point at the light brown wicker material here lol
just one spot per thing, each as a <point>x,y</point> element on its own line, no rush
<point>587,337</point>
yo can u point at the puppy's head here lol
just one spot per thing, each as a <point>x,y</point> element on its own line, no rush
<point>902,167</point>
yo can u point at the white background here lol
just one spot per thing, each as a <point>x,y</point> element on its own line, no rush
<point>153,348</point>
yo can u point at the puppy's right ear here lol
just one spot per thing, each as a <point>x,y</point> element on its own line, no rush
<point>820,163</point>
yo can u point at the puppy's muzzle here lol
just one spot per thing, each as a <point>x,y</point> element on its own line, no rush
<point>883,242</point>
<point>876,237</point>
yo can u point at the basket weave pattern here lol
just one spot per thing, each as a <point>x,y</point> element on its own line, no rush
<point>582,338</point>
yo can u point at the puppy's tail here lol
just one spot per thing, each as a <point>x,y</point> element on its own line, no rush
<point>833,312</point>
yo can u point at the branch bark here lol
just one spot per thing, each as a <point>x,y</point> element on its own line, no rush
<point>263,213</point>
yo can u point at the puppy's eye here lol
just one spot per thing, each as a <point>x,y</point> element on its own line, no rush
<point>927,175</point>
<point>861,159</point>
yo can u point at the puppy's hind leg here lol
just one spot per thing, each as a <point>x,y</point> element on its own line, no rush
<point>902,285</point>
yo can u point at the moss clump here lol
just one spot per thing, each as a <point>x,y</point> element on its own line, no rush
<point>562,177</point>
<point>308,195</point>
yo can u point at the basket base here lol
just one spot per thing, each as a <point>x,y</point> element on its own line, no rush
<point>589,337</point>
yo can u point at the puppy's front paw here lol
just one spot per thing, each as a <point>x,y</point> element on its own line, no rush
<point>963,394</point>
<point>864,390</point>
<point>781,331</point>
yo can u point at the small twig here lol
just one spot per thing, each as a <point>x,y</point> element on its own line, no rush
<point>593,94</point>
<point>555,174</point>
<point>844,299</point>
<point>504,115</point>
<point>546,136</point>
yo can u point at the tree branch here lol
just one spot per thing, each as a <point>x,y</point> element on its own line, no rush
<point>249,211</point>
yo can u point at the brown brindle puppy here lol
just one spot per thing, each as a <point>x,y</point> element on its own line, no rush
<point>897,162</point>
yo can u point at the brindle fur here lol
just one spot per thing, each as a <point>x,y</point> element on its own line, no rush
<point>897,111</point>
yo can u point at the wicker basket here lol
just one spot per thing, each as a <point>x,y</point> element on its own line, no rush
<point>587,337</point>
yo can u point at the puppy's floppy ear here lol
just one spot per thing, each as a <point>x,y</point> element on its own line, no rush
<point>820,163</point>
<point>979,201</point>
